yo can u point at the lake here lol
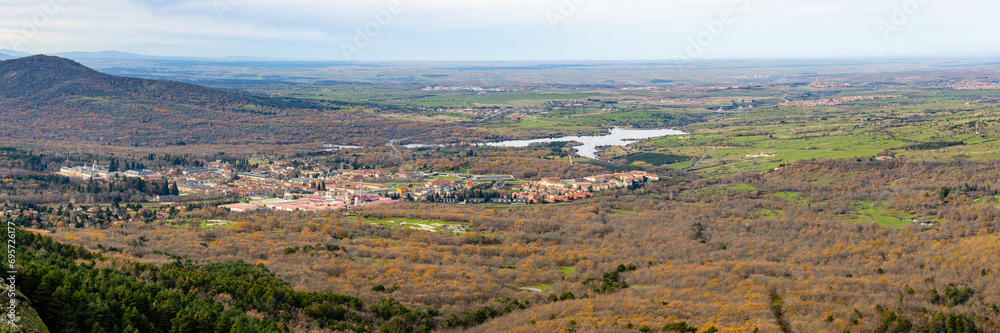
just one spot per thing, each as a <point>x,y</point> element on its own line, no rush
<point>616,137</point>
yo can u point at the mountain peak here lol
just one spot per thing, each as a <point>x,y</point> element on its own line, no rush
<point>30,75</point>
<point>45,65</point>
<point>41,61</point>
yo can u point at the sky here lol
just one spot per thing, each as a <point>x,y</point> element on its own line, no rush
<point>506,30</point>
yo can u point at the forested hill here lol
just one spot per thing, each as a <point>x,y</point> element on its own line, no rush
<point>42,79</point>
<point>51,98</point>
<point>71,293</point>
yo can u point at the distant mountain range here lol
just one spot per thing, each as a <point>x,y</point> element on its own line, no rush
<point>53,98</point>
<point>14,54</point>
<point>117,55</point>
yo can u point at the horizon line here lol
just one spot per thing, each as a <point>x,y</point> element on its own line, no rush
<point>95,55</point>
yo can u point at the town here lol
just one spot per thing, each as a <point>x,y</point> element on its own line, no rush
<point>288,186</point>
<point>837,101</point>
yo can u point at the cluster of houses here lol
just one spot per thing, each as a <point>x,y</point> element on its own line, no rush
<point>486,111</point>
<point>668,101</point>
<point>703,89</point>
<point>469,88</point>
<point>837,101</point>
<point>102,172</point>
<point>310,203</point>
<point>967,85</point>
<point>551,190</point>
<point>282,186</point>
<point>821,84</point>
<point>435,187</point>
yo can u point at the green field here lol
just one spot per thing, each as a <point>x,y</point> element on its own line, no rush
<point>722,123</point>
<point>420,224</point>
<point>200,223</point>
<point>875,213</point>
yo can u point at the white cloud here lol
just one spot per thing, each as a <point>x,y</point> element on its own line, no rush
<point>497,29</point>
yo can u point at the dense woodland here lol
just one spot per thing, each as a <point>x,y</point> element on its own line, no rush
<point>784,250</point>
<point>74,290</point>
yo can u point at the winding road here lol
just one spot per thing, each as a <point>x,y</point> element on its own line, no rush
<point>703,157</point>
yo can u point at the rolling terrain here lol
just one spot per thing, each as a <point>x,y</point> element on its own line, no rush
<point>56,99</point>
<point>791,207</point>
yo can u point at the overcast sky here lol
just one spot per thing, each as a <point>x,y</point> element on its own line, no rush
<point>506,29</point>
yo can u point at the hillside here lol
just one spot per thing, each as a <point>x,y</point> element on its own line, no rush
<point>29,321</point>
<point>785,250</point>
<point>37,79</point>
<point>45,97</point>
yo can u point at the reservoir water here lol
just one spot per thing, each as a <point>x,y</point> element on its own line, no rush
<point>616,137</point>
